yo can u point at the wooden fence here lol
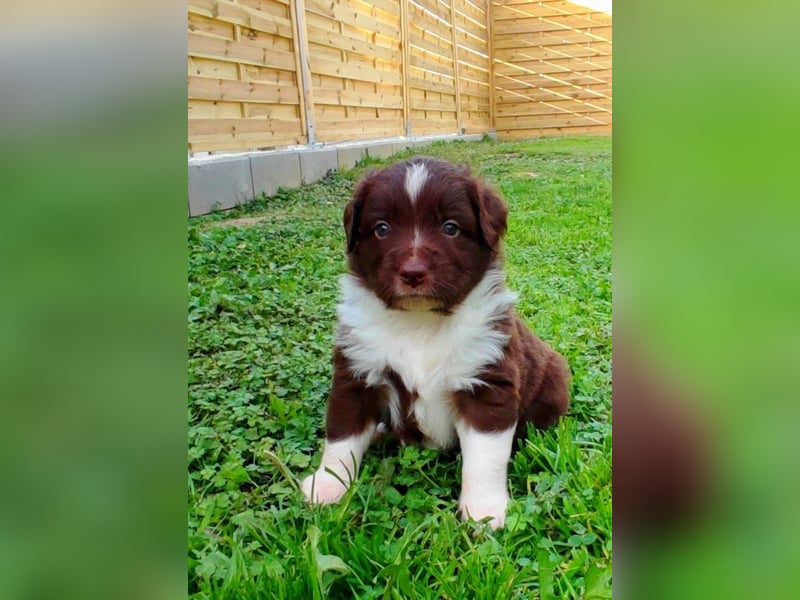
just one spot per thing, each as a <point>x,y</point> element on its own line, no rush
<point>267,73</point>
<point>552,68</point>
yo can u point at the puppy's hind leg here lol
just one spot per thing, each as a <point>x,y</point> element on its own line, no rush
<point>552,398</point>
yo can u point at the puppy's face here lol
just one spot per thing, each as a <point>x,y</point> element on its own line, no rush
<point>422,233</point>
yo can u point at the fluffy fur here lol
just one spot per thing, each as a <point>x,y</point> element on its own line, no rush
<point>428,345</point>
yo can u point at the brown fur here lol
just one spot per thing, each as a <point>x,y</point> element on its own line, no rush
<point>528,385</point>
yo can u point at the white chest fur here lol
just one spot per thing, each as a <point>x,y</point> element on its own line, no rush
<point>433,354</point>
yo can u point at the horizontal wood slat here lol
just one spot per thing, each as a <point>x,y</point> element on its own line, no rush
<point>231,12</point>
<point>341,12</point>
<point>353,71</point>
<point>238,52</point>
<point>206,88</point>
<point>524,134</point>
<point>357,98</point>
<point>340,41</point>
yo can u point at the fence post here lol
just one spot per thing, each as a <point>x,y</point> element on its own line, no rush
<point>456,75</point>
<point>303,67</point>
<point>490,47</point>
<point>406,61</point>
<point>241,73</point>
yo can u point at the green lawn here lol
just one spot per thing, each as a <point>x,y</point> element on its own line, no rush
<point>262,296</point>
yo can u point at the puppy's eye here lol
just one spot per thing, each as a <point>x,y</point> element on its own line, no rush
<point>451,228</point>
<point>382,229</point>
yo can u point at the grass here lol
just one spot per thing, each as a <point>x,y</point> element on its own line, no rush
<point>262,295</point>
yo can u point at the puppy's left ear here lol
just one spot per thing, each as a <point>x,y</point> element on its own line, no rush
<point>492,215</point>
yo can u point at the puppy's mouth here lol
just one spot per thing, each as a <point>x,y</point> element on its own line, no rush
<point>415,302</point>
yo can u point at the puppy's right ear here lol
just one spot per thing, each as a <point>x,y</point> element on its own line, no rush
<point>352,212</point>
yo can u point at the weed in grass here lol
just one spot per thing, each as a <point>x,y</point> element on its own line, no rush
<point>262,296</point>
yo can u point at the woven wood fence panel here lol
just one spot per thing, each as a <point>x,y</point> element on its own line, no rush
<point>356,64</point>
<point>271,73</point>
<point>243,87</point>
<point>552,68</point>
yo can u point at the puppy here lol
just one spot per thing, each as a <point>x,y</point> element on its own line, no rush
<point>428,345</point>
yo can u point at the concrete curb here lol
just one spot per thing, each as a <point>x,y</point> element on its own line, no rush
<point>220,182</point>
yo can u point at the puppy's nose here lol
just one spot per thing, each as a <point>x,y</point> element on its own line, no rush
<point>414,272</point>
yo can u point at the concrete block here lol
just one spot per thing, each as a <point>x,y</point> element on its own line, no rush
<point>271,171</point>
<point>348,157</point>
<point>420,145</point>
<point>384,150</point>
<point>472,137</point>
<point>219,184</point>
<point>316,164</point>
<point>403,145</point>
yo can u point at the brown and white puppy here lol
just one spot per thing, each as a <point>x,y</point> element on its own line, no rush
<point>428,345</point>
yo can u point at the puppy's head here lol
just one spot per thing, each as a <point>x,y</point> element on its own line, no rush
<point>422,233</point>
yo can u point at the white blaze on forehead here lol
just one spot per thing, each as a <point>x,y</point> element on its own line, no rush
<point>416,176</point>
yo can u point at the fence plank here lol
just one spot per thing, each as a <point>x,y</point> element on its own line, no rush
<point>549,38</point>
<point>357,98</point>
<point>207,88</point>
<point>525,134</point>
<point>508,11</point>
<point>206,47</point>
<point>429,86</point>
<point>339,11</point>
<point>320,36</point>
<point>546,107</point>
<point>436,45</point>
<point>532,93</point>
<point>207,26</point>
<point>361,73</point>
<point>245,16</point>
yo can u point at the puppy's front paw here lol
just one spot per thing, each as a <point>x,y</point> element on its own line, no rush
<point>478,507</point>
<point>326,488</point>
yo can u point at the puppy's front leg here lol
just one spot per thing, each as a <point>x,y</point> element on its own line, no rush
<point>484,473</point>
<point>353,414</point>
<point>338,467</point>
